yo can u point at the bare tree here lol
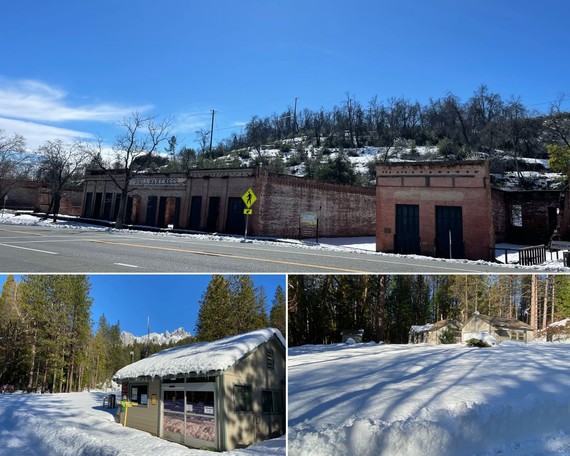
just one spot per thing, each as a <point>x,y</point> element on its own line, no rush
<point>203,138</point>
<point>558,123</point>
<point>12,156</point>
<point>133,149</point>
<point>59,164</point>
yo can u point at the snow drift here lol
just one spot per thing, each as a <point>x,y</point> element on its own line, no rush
<point>77,424</point>
<point>429,400</point>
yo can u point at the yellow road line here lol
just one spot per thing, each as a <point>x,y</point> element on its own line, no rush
<point>227,255</point>
<point>21,232</point>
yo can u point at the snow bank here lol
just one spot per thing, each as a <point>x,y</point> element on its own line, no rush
<point>201,358</point>
<point>70,425</point>
<point>76,424</point>
<point>429,400</point>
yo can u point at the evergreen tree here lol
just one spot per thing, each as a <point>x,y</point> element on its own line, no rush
<point>562,297</point>
<point>278,311</point>
<point>215,318</point>
<point>13,335</point>
<point>338,170</point>
<point>55,305</point>
<point>98,353</point>
<point>244,304</point>
<point>261,318</point>
<point>230,306</point>
<point>319,307</point>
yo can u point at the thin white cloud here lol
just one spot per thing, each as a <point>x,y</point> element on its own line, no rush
<point>31,108</point>
<point>37,134</point>
<point>37,101</point>
<point>189,123</point>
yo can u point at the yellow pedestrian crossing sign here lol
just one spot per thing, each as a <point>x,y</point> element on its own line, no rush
<point>249,198</point>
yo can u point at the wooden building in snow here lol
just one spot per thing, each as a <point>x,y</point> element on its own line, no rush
<point>501,328</point>
<point>431,333</point>
<point>225,394</point>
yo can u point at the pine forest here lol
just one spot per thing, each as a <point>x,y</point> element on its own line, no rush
<point>386,306</point>
<point>49,342</point>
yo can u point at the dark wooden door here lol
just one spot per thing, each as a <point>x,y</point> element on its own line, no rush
<point>407,238</point>
<point>235,221</point>
<point>162,222</point>
<point>449,231</point>
<point>195,213</point>
<point>151,210</point>
<point>213,214</point>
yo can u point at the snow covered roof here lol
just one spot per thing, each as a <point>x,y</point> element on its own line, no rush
<point>503,322</point>
<point>455,324</point>
<point>420,328</point>
<point>200,358</point>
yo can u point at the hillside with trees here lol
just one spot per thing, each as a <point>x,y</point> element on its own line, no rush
<point>327,144</point>
<point>386,306</point>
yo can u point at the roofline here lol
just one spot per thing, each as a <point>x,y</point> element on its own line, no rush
<point>209,373</point>
<point>149,378</point>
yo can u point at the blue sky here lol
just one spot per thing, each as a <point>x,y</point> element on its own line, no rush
<point>170,301</point>
<point>72,68</point>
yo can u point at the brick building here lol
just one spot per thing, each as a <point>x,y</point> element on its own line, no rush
<point>35,196</point>
<point>525,216</point>
<point>211,201</point>
<point>435,208</point>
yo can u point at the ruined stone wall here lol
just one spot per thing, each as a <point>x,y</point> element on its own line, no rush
<point>537,221</point>
<point>32,195</point>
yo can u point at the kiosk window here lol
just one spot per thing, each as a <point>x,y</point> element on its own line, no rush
<point>139,394</point>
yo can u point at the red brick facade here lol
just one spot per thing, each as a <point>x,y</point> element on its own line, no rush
<point>450,204</point>
<point>32,195</point>
<point>210,201</point>
<point>342,210</point>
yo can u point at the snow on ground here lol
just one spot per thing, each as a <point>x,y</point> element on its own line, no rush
<point>400,400</point>
<point>76,424</point>
<point>363,245</point>
<point>504,253</point>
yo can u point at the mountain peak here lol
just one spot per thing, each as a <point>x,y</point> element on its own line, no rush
<point>129,339</point>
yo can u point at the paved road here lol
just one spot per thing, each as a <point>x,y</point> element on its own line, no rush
<point>26,249</point>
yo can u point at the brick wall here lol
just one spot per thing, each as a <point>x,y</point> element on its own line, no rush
<point>342,210</point>
<point>22,195</point>
<point>428,185</point>
<point>31,195</point>
<point>538,215</point>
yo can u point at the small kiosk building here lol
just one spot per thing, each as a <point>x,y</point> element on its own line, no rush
<point>222,395</point>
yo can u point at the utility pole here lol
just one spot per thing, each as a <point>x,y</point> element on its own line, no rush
<point>295,116</point>
<point>212,132</point>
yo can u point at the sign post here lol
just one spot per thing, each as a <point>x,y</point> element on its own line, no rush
<point>248,198</point>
